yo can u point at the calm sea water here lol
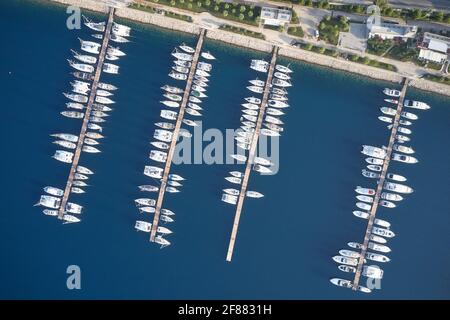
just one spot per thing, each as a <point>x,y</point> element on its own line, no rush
<point>285,240</point>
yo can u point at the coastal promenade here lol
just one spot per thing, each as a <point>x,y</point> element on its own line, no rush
<point>252,154</point>
<point>259,44</point>
<point>377,197</point>
<point>79,147</point>
<point>176,132</point>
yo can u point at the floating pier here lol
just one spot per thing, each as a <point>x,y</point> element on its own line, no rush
<point>176,132</point>
<point>87,114</point>
<point>252,153</point>
<point>377,197</point>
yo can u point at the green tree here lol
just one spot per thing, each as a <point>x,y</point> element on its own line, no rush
<point>308,3</point>
<point>199,4</point>
<point>225,13</point>
<point>227,6</point>
<point>207,3</point>
<point>354,58</point>
<point>172,2</point>
<point>242,8</point>
<point>365,60</point>
<point>250,13</point>
<point>241,16</point>
<point>181,1</point>
<point>233,11</point>
<point>437,16</point>
<point>321,50</point>
<point>308,46</point>
<point>189,5</point>
<point>216,8</point>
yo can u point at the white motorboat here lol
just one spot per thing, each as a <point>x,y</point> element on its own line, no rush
<point>146,209</point>
<point>274,112</point>
<point>237,174</point>
<point>403,158</point>
<point>377,257</point>
<point>65,144</point>
<point>401,138</point>
<point>257,82</point>
<point>194,99</point>
<point>377,239</point>
<point>160,145</point>
<point>180,69</point>
<point>96,119</point>
<point>270,133</point>
<point>73,208</point>
<point>387,204</point>
<point>103,93</point>
<point>346,260</point>
<point>250,106</point>
<point>391,92</point>
<point>228,198</point>
<point>361,214</point>
<point>396,187</point>
<point>253,100</point>
<point>66,136</point>
<point>90,46</point>
<point>50,212</point>
<point>404,149</point>
<point>207,55</point>
<point>54,191</point>
<point>273,127</point>
<point>97,36</point>
<point>80,176</point>
<point>416,105</point>
<point>239,157</point>
<point>388,111</point>
<point>175,177</point>
<point>393,101</point>
<point>363,206</point>
<point>181,55</point>
<point>103,100</point>
<point>76,97</point>
<point>70,219</point>
<point>371,151</point>
<point>349,253</point>
<point>148,188</point>
<point>250,112</point>
<point>281,83</point>
<point>171,89</point>
<point>173,97</point>
<point>378,247</point>
<point>281,75</point>
<point>101,107</point>
<point>409,115</point>
<point>348,284</point>
<point>370,174</point>
<point>110,68</point>
<point>145,202</point>
<point>254,194</point>
<point>192,112</point>
<point>404,122</point>
<point>100,114</point>
<point>163,135</point>
<point>395,177</point>
<point>116,38</point>
<point>75,105</point>
<point>161,241</point>
<point>383,232</point>
<point>63,156</point>
<point>274,120</point>
<point>190,122</point>
<point>233,192</point>
<point>346,268</point>
<point>94,135</point>
<point>374,167</point>
<point>198,94</point>
<point>121,29</point>
<point>174,183</point>
<point>283,69</point>
<point>83,57</point>
<point>249,118</point>
<point>364,198</point>
<point>365,191</point>
<point>391,196</point>
<point>202,73</point>
<point>255,89</point>
<point>278,104</point>
<point>259,65</point>
<point>234,180</point>
<point>81,66</point>
<point>376,161</point>
<point>278,97</point>
<point>261,169</point>
<point>115,51</point>
<point>204,66</point>
<point>198,88</point>
<point>153,172</point>
<point>165,125</point>
<point>172,189</point>
<point>262,161</point>
<point>51,202</point>
<point>78,183</point>
<point>385,119</point>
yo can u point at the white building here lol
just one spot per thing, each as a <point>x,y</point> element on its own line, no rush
<point>391,31</point>
<point>434,47</point>
<point>275,16</point>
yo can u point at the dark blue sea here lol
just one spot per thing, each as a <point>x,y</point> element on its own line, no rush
<point>285,240</point>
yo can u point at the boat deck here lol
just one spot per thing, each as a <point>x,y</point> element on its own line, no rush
<point>83,130</point>
<point>252,154</point>
<point>176,132</point>
<point>373,210</point>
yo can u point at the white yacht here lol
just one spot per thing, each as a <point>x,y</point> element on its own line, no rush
<point>278,104</point>
<point>364,198</point>
<point>404,122</point>
<point>160,145</point>
<point>80,176</point>
<point>97,26</point>
<point>63,156</point>
<point>371,151</point>
<point>257,82</point>
<point>172,189</point>
<point>259,65</point>
<point>50,212</point>
<point>103,93</point>
<point>228,198</point>
<point>254,194</point>
<point>396,187</point>
<point>391,92</point>
<point>370,174</point>
<point>378,247</point>
<point>270,133</point>
<point>75,105</point>
<point>153,172</point>
<point>404,149</point>
<point>165,125</point>
<point>116,38</point>
<point>204,66</point>
<point>49,202</point>
<point>148,188</point>
<point>281,75</point>
<point>65,144</point>
<point>274,120</point>
<point>192,112</point>
<point>385,119</point>
<point>374,167</point>
<point>103,100</point>
<point>361,214</point>
<point>163,135</point>
<point>202,73</point>
<point>387,204</point>
<point>78,183</point>
<point>198,88</point>
<point>194,99</point>
<point>168,114</point>
<point>180,69</point>
<point>81,66</point>
<point>253,100</point>
<point>84,170</point>
<point>161,241</point>
<point>101,107</point>
<point>146,209</point>
<point>234,180</point>
<point>250,112</point>
<point>76,97</point>
<point>239,157</point>
<point>54,191</point>
<point>273,127</point>
<point>348,284</point>
<point>377,257</point>
<point>165,218</point>
<point>73,208</point>
<point>169,103</point>
<point>409,115</point>
<point>72,114</point>
<point>115,51</point>
<point>365,191</point>
<point>66,136</point>
<point>158,156</point>
<point>403,158</point>
<point>346,260</point>
<point>283,69</point>
<point>377,239</point>
<point>391,196</point>
<point>233,192</point>
<point>174,183</point>
<point>96,119</point>
<point>416,104</point>
<point>281,83</point>
<point>167,212</point>
<point>200,83</point>
<point>70,219</point>
<point>171,89</point>
<point>388,111</point>
<point>145,202</point>
<point>182,56</point>
<point>250,106</point>
<point>90,149</point>
<point>84,57</point>
<point>401,138</point>
<point>121,29</point>
<point>349,253</point>
<point>90,46</point>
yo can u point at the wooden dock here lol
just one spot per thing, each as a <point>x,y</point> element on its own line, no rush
<point>252,154</point>
<point>92,95</point>
<point>176,132</point>
<point>373,210</point>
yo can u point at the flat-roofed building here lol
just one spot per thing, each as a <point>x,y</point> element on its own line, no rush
<point>391,31</point>
<point>275,16</point>
<point>434,47</point>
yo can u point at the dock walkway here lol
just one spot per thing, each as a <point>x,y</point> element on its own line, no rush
<point>373,210</point>
<point>176,132</point>
<point>252,154</point>
<point>76,158</point>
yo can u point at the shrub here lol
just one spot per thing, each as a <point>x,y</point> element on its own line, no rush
<point>241,16</point>
<point>250,14</point>
<point>216,8</point>
<point>225,13</point>
<point>242,8</point>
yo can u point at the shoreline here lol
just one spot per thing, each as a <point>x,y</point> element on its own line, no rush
<point>261,45</point>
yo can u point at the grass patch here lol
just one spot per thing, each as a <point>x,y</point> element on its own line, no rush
<point>296,31</point>
<point>440,79</point>
<point>242,31</point>
<point>145,8</point>
<point>178,16</point>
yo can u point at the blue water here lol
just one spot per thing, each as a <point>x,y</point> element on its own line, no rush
<point>285,240</point>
